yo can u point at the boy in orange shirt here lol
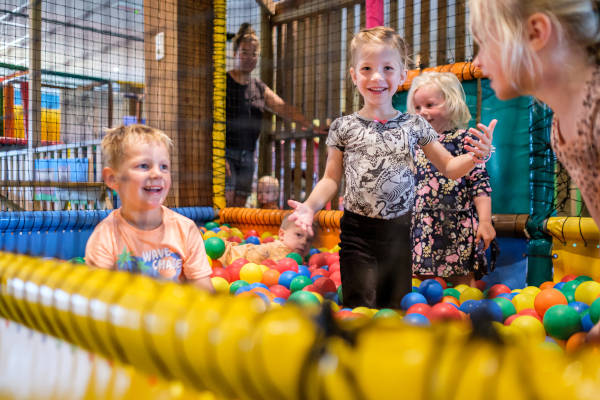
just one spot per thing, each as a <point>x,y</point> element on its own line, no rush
<point>291,239</point>
<point>143,236</point>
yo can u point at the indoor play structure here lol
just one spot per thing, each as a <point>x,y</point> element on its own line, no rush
<point>69,331</point>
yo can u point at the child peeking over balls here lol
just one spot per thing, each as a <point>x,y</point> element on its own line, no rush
<point>291,239</point>
<point>143,236</point>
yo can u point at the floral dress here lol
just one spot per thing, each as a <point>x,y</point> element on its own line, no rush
<point>445,219</point>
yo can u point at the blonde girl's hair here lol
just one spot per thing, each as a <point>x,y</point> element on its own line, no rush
<point>502,22</point>
<point>245,34</point>
<point>116,140</point>
<point>379,35</point>
<point>452,91</point>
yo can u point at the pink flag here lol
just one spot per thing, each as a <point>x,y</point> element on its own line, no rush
<point>374,12</point>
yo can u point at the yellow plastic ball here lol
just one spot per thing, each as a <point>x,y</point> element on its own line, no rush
<point>470,293</point>
<point>263,268</point>
<point>366,311</point>
<point>251,273</point>
<point>522,301</point>
<point>587,292</point>
<point>208,235</point>
<point>220,284</point>
<point>266,235</point>
<point>416,282</point>
<point>529,328</point>
<point>335,249</point>
<point>319,297</point>
<point>223,235</point>
<point>531,290</point>
<point>461,288</point>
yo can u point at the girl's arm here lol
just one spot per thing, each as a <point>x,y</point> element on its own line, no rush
<point>485,231</point>
<point>325,189</point>
<point>456,167</point>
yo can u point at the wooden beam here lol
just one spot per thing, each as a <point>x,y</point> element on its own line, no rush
<point>290,10</point>
<point>267,5</point>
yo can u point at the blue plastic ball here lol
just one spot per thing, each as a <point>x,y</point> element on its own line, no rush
<point>508,296</point>
<point>216,230</point>
<point>579,306</point>
<point>432,290</point>
<point>286,278</point>
<point>314,278</point>
<point>412,298</point>
<point>559,285</point>
<point>258,284</point>
<point>313,251</point>
<point>243,289</point>
<point>303,270</point>
<point>253,240</point>
<point>416,319</point>
<point>586,322</point>
<point>279,300</point>
<point>469,306</point>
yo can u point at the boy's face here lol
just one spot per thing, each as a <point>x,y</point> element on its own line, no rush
<point>266,192</point>
<point>296,239</point>
<point>143,179</point>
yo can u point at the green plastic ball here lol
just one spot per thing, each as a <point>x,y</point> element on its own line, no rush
<point>77,260</point>
<point>561,321</point>
<point>295,256</point>
<point>299,282</point>
<point>452,292</point>
<point>570,286</point>
<point>386,313</point>
<point>340,295</point>
<point>569,294</point>
<point>215,247</point>
<point>236,285</point>
<point>595,311</point>
<point>506,306</point>
<point>210,225</point>
<point>583,278</point>
<point>303,298</point>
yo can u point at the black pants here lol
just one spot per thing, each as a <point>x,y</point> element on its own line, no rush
<point>375,260</point>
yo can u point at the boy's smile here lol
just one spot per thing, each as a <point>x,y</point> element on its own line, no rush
<point>143,179</point>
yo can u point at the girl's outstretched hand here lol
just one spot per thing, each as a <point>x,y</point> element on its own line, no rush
<point>303,216</point>
<point>481,149</point>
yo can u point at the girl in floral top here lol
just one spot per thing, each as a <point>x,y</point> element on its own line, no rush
<point>452,222</point>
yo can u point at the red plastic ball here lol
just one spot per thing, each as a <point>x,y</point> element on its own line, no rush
<point>419,308</point>
<point>443,312</point>
<point>250,232</point>
<point>334,267</point>
<point>324,285</point>
<point>280,291</point>
<point>568,278</point>
<point>442,282</point>
<point>497,289</point>
<point>222,272</point>
<point>268,239</point>
<point>530,311</point>
<point>318,260</point>
<point>286,264</point>
<point>479,284</point>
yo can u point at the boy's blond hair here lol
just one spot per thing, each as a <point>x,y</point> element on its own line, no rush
<point>503,22</point>
<point>452,91</point>
<point>287,224</point>
<point>268,181</point>
<point>379,35</point>
<point>116,139</point>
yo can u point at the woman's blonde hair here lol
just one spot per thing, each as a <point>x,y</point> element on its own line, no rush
<point>502,22</point>
<point>379,35</point>
<point>452,91</point>
<point>245,34</point>
<point>116,139</point>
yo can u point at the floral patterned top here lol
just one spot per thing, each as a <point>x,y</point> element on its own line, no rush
<point>445,219</point>
<point>581,157</point>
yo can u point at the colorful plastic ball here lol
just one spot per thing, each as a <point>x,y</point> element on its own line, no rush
<point>491,308</point>
<point>506,306</point>
<point>570,286</point>
<point>221,272</point>
<point>444,311</point>
<point>559,285</point>
<point>432,290</point>
<point>561,321</point>
<point>511,318</point>
<point>531,290</point>
<point>497,289</point>
<point>416,282</point>
<point>595,311</point>
<point>215,247</point>
<point>452,292</point>
<point>347,314</point>
<point>280,291</point>
<point>366,311</point>
<point>450,299</point>
<point>575,342</point>
<point>419,308</point>
<point>579,306</point>
<point>416,319</point>
<point>584,278</point>
<point>208,235</point>
<point>211,225</point>
<point>522,301</point>
<point>529,328</point>
<point>386,313</point>
<point>303,270</point>
<point>236,285</point>
<point>469,306</point>
<point>547,285</point>
<point>270,277</point>
<point>304,298</point>
<point>279,300</point>
<point>287,264</point>
<point>461,287</point>
<point>569,294</point>
<point>568,277</point>
<point>531,312</point>
<point>441,282</point>
<point>586,322</point>
<point>296,257</point>
<point>242,289</point>
<point>253,240</point>
<point>324,285</point>
<point>411,299</point>
<point>220,284</point>
<point>286,277</point>
<point>258,285</point>
<point>313,251</point>
<point>223,235</point>
<point>471,293</point>
<point>250,232</point>
<point>251,273</point>
<point>548,298</point>
<point>587,292</point>
<point>299,282</point>
<point>340,294</point>
<point>508,296</point>
<point>481,285</point>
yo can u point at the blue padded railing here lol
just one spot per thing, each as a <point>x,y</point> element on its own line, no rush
<point>63,234</point>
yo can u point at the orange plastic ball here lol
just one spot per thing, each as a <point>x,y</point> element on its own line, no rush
<point>548,298</point>
<point>575,342</point>
<point>270,277</point>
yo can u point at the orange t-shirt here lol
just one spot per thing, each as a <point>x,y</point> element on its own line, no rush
<point>174,250</point>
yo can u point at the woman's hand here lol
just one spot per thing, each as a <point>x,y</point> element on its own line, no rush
<point>481,149</point>
<point>485,232</point>
<point>303,216</point>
